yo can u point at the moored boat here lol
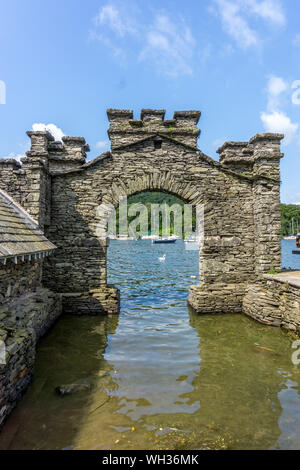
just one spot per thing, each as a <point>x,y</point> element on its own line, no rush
<point>164,240</point>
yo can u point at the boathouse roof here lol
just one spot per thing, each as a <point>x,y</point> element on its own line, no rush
<point>20,235</point>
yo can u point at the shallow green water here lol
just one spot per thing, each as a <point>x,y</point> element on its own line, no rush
<point>161,377</point>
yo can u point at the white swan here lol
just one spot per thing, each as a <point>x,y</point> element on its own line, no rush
<point>162,258</point>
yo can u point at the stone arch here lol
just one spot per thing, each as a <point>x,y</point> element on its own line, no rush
<point>241,194</point>
<point>156,181</point>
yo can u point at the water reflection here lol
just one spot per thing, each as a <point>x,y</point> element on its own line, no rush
<point>161,377</point>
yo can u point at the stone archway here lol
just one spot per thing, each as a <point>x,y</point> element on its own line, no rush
<point>161,183</point>
<point>240,194</point>
<point>155,182</point>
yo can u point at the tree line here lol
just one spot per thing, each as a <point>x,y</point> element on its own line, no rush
<point>290,216</point>
<point>290,213</point>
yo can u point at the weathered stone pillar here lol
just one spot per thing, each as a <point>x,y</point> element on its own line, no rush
<point>266,201</point>
<point>10,177</point>
<point>36,190</point>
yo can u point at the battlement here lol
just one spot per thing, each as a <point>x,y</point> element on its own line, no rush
<point>243,156</point>
<point>10,164</point>
<point>237,156</point>
<point>56,155</point>
<point>125,130</point>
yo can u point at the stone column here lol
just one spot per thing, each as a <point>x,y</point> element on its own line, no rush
<point>10,177</point>
<point>266,201</point>
<point>36,190</point>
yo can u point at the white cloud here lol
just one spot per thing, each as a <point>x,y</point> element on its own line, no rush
<point>117,21</point>
<point>235,25</point>
<point>156,38</point>
<point>102,144</point>
<point>55,131</point>
<point>277,121</point>
<point>276,87</point>
<point>235,18</point>
<point>170,46</point>
<point>270,10</point>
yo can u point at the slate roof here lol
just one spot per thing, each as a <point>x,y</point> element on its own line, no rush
<point>20,236</point>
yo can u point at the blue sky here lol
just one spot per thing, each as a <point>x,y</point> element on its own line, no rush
<point>237,61</point>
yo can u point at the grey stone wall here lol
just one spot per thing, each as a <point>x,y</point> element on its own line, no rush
<point>273,302</point>
<point>16,279</point>
<point>11,178</point>
<point>27,310</point>
<point>17,374</point>
<point>79,263</point>
<point>62,192</point>
<point>240,196</point>
<point>23,321</point>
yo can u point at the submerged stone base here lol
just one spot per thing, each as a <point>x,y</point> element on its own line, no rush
<point>22,322</point>
<point>271,299</point>
<point>102,301</point>
<point>275,300</point>
<point>217,298</point>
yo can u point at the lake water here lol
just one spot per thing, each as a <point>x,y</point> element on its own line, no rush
<point>160,376</point>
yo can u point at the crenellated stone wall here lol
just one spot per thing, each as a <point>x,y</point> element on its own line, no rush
<point>72,199</point>
<point>240,194</point>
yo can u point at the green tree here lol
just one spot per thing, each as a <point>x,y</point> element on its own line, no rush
<point>289,212</point>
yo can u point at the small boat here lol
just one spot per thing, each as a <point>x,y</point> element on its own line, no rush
<point>190,240</point>
<point>164,240</point>
<point>290,237</point>
<point>124,238</point>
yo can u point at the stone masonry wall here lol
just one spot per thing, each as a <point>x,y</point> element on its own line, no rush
<point>23,321</point>
<point>72,201</point>
<point>27,311</point>
<point>11,178</point>
<point>240,195</point>
<point>16,279</point>
<point>79,263</point>
<point>17,374</point>
<point>274,302</point>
